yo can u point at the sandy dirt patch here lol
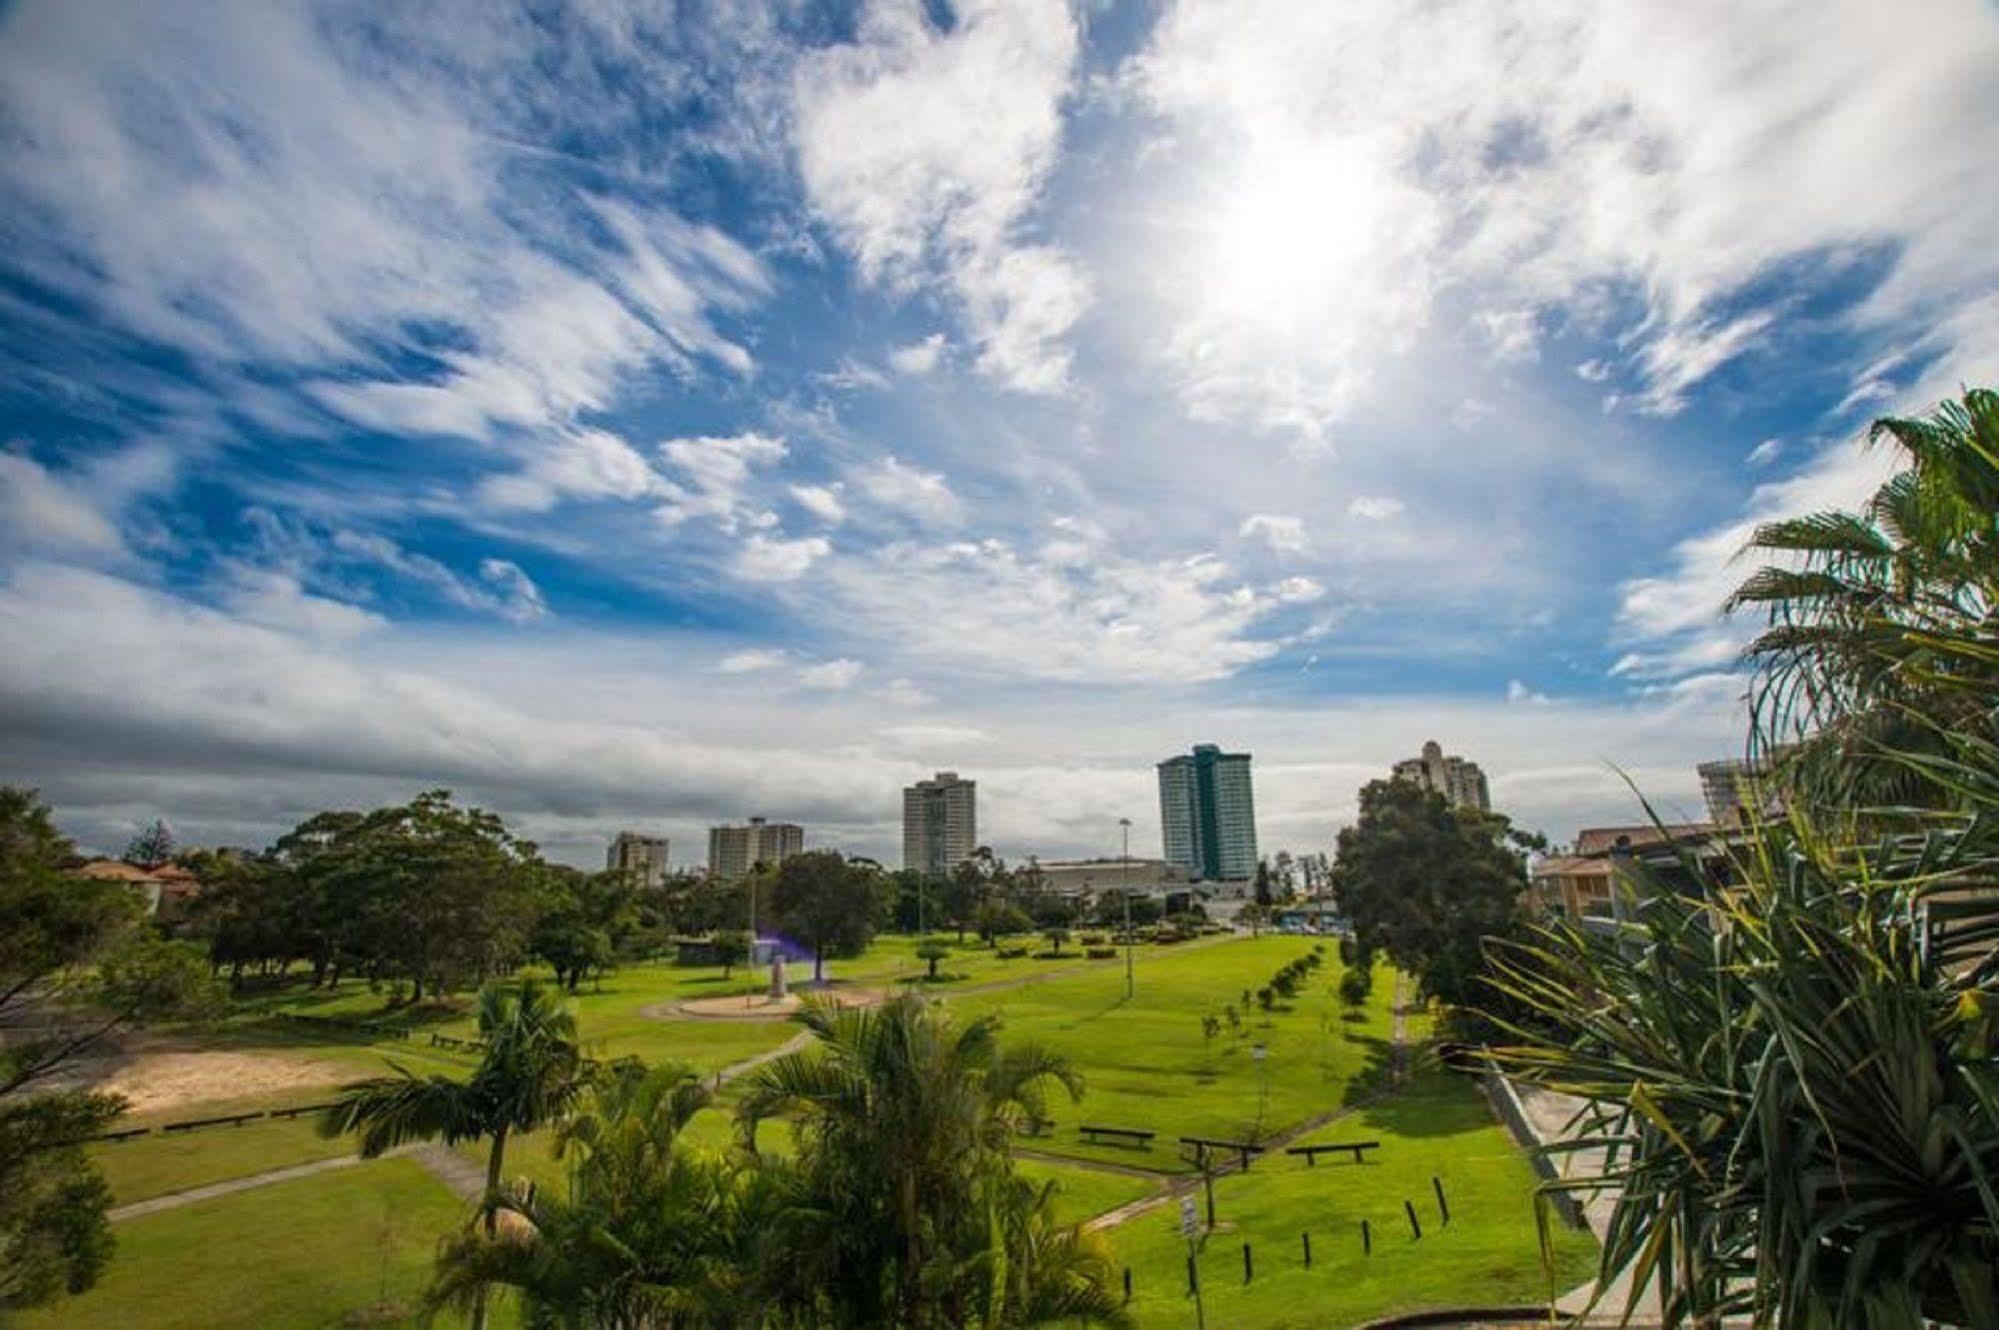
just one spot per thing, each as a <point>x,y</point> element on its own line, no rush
<point>163,1080</point>
<point>759,1006</point>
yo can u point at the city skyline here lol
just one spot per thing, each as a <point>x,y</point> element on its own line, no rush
<point>596,414</point>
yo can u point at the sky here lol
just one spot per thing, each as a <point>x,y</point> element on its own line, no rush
<point>645,415</point>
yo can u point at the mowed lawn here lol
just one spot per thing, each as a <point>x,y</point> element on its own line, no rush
<point>291,1256</point>
<point>1436,1125</point>
<point>1148,1066</point>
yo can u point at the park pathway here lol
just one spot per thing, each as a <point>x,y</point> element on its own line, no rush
<point>175,1199</point>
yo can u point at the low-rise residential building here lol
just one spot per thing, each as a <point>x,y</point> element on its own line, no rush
<point>165,888</point>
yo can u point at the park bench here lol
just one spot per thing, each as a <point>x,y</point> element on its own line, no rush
<point>1138,1139</point>
<point>1039,1126</point>
<point>227,1120</point>
<point>124,1134</point>
<point>300,1110</point>
<point>1203,1144</point>
<point>1312,1152</point>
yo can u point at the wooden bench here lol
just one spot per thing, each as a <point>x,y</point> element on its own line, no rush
<point>1312,1152</point>
<point>1038,1126</point>
<point>229,1120</point>
<point>1138,1139</point>
<point>1202,1144</point>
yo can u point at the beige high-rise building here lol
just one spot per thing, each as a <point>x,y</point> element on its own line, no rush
<point>940,823</point>
<point>733,851</point>
<point>644,857</point>
<point>1458,779</point>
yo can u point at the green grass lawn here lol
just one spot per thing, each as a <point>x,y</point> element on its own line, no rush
<point>292,1256</point>
<point>306,1252</point>
<point>1148,1066</point>
<point>1436,1125</point>
<point>1084,1193</point>
<point>154,1165</point>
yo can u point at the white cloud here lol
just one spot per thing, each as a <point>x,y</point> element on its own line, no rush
<point>715,479</point>
<point>822,501</point>
<point>1593,371</point>
<point>1518,693</point>
<point>1286,535</point>
<point>750,661</point>
<point>912,491</point>
<point>990,609</point>
<point>1298,591</point>
<point>919,357</point>
<point>1672,620</point>
<point>585,464</point>
<point>273,190</point>
<point>1353,165</point>
<point>41,510</point>
<point>1764,453</point>
<point>904,693</point>
<point>1513,335</point>
<point>503,589</point>
<point>776,559</point>
<point>1375,508</point>
<point>278,600</point>
<point>925,150</point>
<point>830,675</point>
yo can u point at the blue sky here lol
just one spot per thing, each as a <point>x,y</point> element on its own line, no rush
<point>636,415</point>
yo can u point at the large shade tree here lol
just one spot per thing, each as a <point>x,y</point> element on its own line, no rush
<point>76,963</point>
<point>827,902</point>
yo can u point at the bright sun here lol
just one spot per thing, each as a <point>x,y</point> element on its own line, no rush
<point>1291,231</point>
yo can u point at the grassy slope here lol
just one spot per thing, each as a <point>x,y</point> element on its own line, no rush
<point>284,1257</point>
<point>1148,1066</point>
<point>1437,1125</point>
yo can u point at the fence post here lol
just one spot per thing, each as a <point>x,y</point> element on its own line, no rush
<point>1409,1207</point>
<point>1366,1240</point>
<point>1306,1238</point>
<point>1127,1284</point>
<point>1443,1206</point>
<point>1248,1270</point>
<point>1193,1278</point>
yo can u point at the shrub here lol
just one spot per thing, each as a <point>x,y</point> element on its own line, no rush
<point>1012,953</point>
<point>1100,953</point>
<point>1094,939</point>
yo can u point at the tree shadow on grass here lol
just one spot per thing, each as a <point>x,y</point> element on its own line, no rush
<point>1432,1101</point>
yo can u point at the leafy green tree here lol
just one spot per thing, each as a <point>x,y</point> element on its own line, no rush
<point>1356,986</point>
<point>579,920</point>
<point>998,919</point>
<point>932,951</point>
<point>75,951</point>
<point>731,947</point>
<point>427,892</point>
<point>829,903</point>
<point>1056,938</point>
<point>1853,672</point>
<point>531,1074</point>
<point>903,1207</point>
<point>1427,883</point>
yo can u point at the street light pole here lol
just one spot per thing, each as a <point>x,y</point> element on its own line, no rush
<point>1124,872</point>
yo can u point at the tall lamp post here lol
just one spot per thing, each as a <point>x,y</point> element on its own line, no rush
<point>1124,874</point>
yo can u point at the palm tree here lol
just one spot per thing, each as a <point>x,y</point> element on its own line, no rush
<point>530,1075</point>
<point>1846,668</point>
<point>902,1207</point>
<point>650,1234</point>
<point>1791,1079</point>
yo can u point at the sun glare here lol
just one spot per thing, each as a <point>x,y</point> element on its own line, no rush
<point>1287,232</point>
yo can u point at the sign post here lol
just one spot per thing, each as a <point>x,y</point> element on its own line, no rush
<point>1190,1229</point>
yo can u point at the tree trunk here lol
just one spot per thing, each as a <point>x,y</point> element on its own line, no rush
<point>818,963</point>
<point>494,1163</point>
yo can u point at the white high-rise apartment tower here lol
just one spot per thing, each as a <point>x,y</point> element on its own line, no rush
<point>1459,780</point>
<point>940,823</point>
<point>644,857</point>
<point>734,851</point>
